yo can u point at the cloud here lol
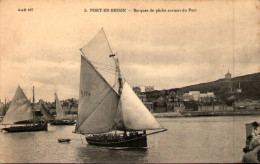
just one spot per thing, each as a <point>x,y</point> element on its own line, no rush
<point>166,50</point>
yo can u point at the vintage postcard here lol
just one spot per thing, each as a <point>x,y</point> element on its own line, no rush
<point>120,81</point>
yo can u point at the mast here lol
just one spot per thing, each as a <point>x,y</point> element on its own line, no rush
<point>119,76</point>
<point>5,109</point>
<point>33,108</point>
<point>120,81</point>
<point>33,95</point>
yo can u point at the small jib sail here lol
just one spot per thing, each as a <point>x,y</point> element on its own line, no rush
<point>48,116</point>
<point>19,110</point>
<point>106,105</point>
<point>134,114</point>
<point>60,113</point>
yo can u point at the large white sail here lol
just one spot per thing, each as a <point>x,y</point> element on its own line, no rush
<point>97,101</point>
<point>98,53</point>
<point>19,110</point>
<point>135,115</point>
<point>60,113</point>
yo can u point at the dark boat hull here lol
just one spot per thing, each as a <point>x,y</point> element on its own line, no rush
<point>132,142</point>
<point>63,122</point>
<point>41,120</point>
<point>63,140</point>
<point>24,122</point>
<point>27,128</point>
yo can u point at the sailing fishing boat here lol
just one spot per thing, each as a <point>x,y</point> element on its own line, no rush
<point>61,118</point>
<point>106,107</point>
<point>21,110</point>
<point>46,116</point>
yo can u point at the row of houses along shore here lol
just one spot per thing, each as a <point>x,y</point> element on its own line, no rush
<point>159,101</point>
<point>174,101</point>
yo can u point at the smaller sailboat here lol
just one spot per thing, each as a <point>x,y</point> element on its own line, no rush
<point>61,118</point>
<point>47,116</point>
<point>21,110</point>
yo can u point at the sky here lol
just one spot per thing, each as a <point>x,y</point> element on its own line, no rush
<point>166,49</point>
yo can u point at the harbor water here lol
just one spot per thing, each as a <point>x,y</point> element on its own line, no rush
<point>194,139</point>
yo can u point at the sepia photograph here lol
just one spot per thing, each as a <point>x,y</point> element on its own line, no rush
<point>120,81</point>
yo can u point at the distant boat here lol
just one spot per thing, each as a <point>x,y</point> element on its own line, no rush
<point>111,115</point>
<point>61,118</point>
<point>47,115</point>
<point>60,140</point>
<point>21,110</point>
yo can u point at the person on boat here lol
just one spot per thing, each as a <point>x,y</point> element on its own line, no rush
<point>131,134</point>
<point>116,135</point>
<point>256,129</point>
<point>125,134</point>
<point>255,141</point>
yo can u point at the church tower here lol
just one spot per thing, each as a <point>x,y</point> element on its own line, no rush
<point>228,75</point>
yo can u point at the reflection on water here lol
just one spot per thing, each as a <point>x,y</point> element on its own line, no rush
<point>201,139</point>
<point>96,154</point>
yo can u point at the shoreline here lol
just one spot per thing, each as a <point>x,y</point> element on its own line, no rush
<point>206,113</point>
<point>192,114</point>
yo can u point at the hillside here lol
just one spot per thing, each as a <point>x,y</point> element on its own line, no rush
<point>250,85</point>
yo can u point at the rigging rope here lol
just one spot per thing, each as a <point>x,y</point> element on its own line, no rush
<point>105,70</point>
<point>105,65</point>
